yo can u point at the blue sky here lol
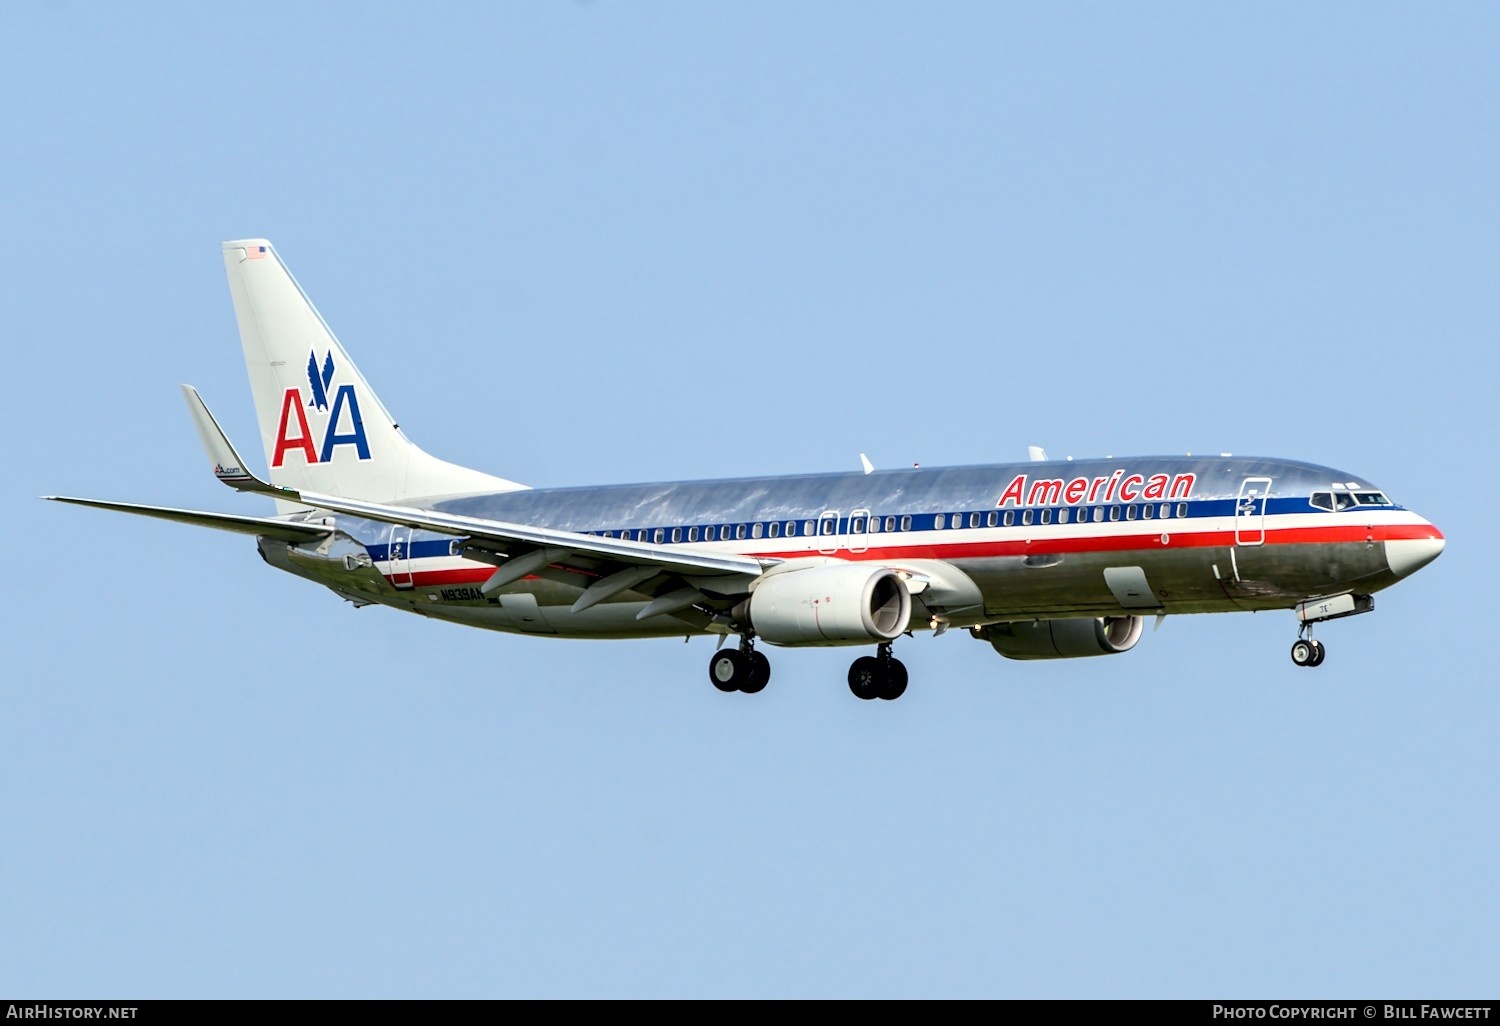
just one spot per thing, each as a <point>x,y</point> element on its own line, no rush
<point>586,242</point>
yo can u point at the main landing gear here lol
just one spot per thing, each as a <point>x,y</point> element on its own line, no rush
<point>878,676</point>
<point>1305,650</point>
<point>743,669</point>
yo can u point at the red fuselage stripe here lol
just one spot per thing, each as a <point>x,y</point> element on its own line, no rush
<point>1350,534</point>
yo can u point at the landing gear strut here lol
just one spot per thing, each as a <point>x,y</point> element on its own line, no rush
<point>1305,650</point>
<point>742,669</point>
<point>878,676</point>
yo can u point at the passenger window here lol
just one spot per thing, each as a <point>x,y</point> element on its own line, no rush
<point>1114,513</point>
<point>1026,518</point>
<point>1182,509</point>
<point>676,535</point>
<point>692,534</point>
<point>906,523</point>
<point>791,528</point>
<point>1062,516</point>
<point>1129,512</point>
<point>1010,518</point>
<point>939,522</point>
<point>773,529</point>
<point>958,521</point>
<point>874,525</point>
<point>1046,516</point>
<point>992,519</point>
<point>1147,511</point>
<point>807,528</point>
<point>658,535</point>
<point>755,530</point>
<point>739,532</point>
<point>827,526</point>
<point>973,519</point>
<point>1166,511</point>
<point>857,525</point>
<point>1098,514</point>
<point>890,524</point>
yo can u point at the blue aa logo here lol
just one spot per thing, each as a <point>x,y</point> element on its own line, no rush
<point>295,434</point>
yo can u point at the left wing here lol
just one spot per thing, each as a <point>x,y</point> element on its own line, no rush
<point>676,576</point>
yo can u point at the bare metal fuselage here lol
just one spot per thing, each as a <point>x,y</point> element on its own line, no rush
<point>1237,534</point>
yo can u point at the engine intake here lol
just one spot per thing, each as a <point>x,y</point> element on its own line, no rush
<point>840,604</point>
<point>1063,639</point>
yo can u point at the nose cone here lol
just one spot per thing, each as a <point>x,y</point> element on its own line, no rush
<point>1408,555</point>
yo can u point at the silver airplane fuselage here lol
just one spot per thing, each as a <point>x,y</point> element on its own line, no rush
<point>1087,538</point>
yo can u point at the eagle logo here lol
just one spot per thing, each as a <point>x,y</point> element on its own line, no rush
<point>319,381</point>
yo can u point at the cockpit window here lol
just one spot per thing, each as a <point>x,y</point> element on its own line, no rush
<point>1342,499</point>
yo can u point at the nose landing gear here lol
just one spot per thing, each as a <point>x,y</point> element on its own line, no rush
<point>878,676</point>
<point>1306,651</point>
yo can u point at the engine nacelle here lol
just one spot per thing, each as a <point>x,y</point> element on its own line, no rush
<point>1063,639</point>
<point>837,604</point>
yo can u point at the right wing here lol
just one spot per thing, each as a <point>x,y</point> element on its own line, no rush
<point>263,527</point>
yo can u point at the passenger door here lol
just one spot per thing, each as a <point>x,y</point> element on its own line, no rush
<point>1250,511</point>
<point>399,542</point>
<point>828,532</point>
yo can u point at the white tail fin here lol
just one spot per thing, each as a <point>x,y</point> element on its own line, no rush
<point>323,428</point>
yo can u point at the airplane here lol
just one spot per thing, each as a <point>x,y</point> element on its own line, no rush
<point>1044,559</point>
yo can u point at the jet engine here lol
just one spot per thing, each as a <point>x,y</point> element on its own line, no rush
<point>836,604</point>
<point>1063,639</point>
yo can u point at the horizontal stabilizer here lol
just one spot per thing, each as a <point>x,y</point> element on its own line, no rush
<point>262,527</point>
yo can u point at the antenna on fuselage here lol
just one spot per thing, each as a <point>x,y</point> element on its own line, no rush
<point>1037,453</point>
<point>864,461</point>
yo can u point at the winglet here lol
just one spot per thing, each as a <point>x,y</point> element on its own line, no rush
<point>228,467</point>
